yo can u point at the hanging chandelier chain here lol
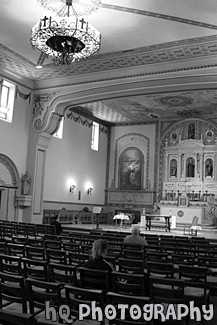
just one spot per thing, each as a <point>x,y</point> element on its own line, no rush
<point>75,7</point>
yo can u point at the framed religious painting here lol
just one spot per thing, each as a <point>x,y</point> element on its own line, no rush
<point>131,164</point>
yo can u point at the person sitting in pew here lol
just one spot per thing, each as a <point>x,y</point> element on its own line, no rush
<point>97,258</point>
<point>57,224</point>
<point>135,238</point>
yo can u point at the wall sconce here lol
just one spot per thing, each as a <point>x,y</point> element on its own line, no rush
<point>89,190</point>
<point>72,188</point>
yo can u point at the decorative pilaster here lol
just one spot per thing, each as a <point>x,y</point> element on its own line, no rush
<point>179,171</point>
<point>166,167</point>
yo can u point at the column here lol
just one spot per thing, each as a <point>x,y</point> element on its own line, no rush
<point>202,167</point>
<point>179,170</point>
<point>202,174</point>
<point>38,185</point>
<point>166,166</point>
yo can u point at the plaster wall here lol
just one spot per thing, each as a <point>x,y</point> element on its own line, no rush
<point>71,158</point>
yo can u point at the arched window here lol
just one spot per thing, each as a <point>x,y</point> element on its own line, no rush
<point>131,164</point>
<point>190,167</point>
<point>7,96</point>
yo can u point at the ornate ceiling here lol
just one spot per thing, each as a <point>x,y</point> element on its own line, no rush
<point>156,39</point>
<point>151,107</point>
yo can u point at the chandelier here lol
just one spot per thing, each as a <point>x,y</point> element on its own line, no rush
<point>67,37</point>
<point>69,8</point>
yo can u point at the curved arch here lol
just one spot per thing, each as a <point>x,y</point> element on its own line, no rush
<point>12,171</point>
<point>55,110</point>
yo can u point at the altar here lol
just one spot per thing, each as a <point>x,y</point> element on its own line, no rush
<point>184,214</point>
<point>121,217</point>
<point>148,221</point>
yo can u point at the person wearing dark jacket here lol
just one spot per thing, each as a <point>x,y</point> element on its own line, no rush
<point>57,224</point>
<point>97,258</point>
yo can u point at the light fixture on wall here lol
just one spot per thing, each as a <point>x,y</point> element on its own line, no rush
<point>71,185</point>
<point>72,188</point>
<point>89,190</point>
<point>67,37</point>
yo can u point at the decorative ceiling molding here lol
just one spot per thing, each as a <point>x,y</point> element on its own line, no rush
<point>158,15</point>
<point>202,47</point>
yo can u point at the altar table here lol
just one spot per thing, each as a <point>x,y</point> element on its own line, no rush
<point>121,217</point>
<point>151,217</point>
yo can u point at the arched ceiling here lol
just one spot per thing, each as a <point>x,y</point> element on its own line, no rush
<point>139,37</point>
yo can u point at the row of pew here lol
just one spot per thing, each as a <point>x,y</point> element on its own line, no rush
<point>45,262</point>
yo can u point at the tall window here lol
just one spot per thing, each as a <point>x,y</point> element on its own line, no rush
<point>7,96</point>
<point>95,136</point>
<point>59,133</point>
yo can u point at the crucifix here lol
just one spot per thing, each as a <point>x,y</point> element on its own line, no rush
<point>44,20</point>
<point>82,22</point>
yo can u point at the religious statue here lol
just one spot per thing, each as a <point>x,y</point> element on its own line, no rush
<point>26,180</point>
<point>191,131</point>
<point>155,208</point>
<point>209,167</point>
<point>190,168</point>
<point>173,168</point>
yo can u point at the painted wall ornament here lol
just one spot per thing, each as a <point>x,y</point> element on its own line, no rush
<point>40,108</point>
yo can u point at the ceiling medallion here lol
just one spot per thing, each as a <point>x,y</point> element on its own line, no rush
<point>64,38</point>
<point>176,101</point>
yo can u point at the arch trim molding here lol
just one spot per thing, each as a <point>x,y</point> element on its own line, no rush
<point>12,169</point>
